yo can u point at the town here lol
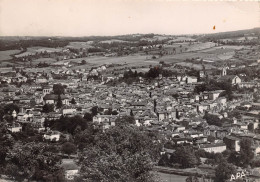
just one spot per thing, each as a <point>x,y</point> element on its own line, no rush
<point>75,109</point>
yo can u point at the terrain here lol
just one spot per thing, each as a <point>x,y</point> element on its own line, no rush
<point>136,51</point>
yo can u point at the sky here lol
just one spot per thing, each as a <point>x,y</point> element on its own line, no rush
<point>119,17</point>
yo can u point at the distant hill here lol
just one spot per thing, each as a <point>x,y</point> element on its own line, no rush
<point>231,34</point>
<point>18,42</point>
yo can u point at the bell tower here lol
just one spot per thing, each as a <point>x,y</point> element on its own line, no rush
<point>224,71</point>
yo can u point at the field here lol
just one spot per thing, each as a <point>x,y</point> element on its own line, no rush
<point>34,50</point>
<point>6,55</point>
<point>112,40</point>
<point>79,45</point>
<point>156,38</point>
<point>200,46</point>
<point>195,66</point>
<point>43,60</point>
<point>178,53</point>
<point>180,39</point>
<point>126,61</point>
<point>171,177</point>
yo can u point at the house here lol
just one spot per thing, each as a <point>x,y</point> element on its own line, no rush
<point>52,136</point>
<point>9,91</point>
<point>232,143</point>
<point>24,117</point>
<point>15,127</point>
<point>251,84</point>
<point>202,74</point>
<point>233,79</point>
<point>53,99</point>
<point>71,168</point>
<point>67,110</point>
<point>38,99</point>
<point>104,118</point>
<point>38,121</point>
<point>191,79</point>
<point>222,133</point>
<point>215,148</point>
<point>46,90</point>
<point>182,140</point>
<point>40,80</point>
<point>213,95</point>
<point>202,107</point>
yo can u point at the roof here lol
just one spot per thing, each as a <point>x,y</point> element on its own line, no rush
<point>54,97</point>
<point>232,138</point>
<point>212,145</point>
<point>227,77</point>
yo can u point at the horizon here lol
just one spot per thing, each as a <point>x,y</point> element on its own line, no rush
<point>85,36</point>
<point>199,34</point>
<point>79,18</point>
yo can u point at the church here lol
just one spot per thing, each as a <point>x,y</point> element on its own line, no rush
<point>233,79</point>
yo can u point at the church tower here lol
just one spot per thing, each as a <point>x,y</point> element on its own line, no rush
<point>224,71</point>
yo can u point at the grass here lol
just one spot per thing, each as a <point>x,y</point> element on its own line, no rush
<point>125,61</point>
<point>181,39</point>
<point>6,55</point>
<point>170,177</point>
<point>33,50</point>
<point>200,46</point>
<point>43,60</point>
<point>112,40</point>
<point>79,45</point>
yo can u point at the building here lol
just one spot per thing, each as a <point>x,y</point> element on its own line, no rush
<point>15,127</point>
<point>53,99</point>
<point>52,136</point>
<point>233,79</point>
<point>41,79</point>
<point>191,79</point>
<point>104,118</point>
<point>46,90</point>
<point>232,143</point>
<point>215,148</point>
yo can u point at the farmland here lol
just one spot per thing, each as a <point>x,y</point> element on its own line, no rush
<point>171,177</point>
<point>34,50</point>
<point>79,45</point>
<point>138,52</point>
<point>111,41</point>
<point>6,55</point>
<point>133,60</point>
<point>43,60</point>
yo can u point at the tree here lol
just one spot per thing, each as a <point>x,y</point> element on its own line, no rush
<point>192,179</point>
<point>211,139</point>
<point>85,138</point>
<point>9,108</point>
<point>88,116</point>
<point>94,110</point>
<point>6,142</point>
<point>131,113</point>
<point>224,171</point>
<point>68,124</point>
<point>34,162</point>
<point>114,112</point>
<point>59,102</point>
<point>48,108</point>
<point>213,119</point>
<point>125,120</point>
<point>185,156</point>
<point>73,101</point>
<point>164,161</point>
<point>123,150</point>
<point>68,148</point>
<point>246,151</point>
<point>83,62</point>
<point>58,89</point>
